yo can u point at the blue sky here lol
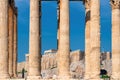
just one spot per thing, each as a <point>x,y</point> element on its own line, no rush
<point>49,26</point>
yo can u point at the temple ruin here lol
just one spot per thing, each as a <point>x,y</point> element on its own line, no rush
<point>8,40</point>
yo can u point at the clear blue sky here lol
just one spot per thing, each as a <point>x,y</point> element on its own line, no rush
<point>49,26</point>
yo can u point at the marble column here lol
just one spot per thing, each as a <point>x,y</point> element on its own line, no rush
<point>4,39</point>
<point>115,4</point>
<point>15,44</point>
<point>64,42</point>
<point>87,40</point>
<point>95,39</point>
<point>34,44</point>
<point>10,38</point>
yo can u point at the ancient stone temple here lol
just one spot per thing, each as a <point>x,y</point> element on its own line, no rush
<point>63,54</point>
<point>8,39</point>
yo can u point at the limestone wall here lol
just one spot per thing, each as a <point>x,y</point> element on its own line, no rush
<point>48,61</point>
<point>49,64</point>
<point>76,56</point>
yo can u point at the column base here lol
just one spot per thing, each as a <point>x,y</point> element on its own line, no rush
<point>87,77</point>
<point>115,76</point>
<point>34,77</point>
<point>93,79</point>
<point>15,76</point>
<point>94,76</point>
<point>64,77</point>
<point>11,75</point>
<point>4,76</point>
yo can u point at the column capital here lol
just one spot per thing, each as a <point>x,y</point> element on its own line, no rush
<point>87,4</point>
<point>115,4</point>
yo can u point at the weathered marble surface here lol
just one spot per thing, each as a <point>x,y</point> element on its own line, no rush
<point>34,41</point>
<point>115,5</point>
<point>4,39</point>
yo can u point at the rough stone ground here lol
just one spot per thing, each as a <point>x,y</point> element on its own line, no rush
<point>44,79</point>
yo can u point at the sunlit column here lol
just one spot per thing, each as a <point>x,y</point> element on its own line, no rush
<point>115,4</point>
<point>87,41</point>
<point>15,44</point>
<point>4,39</point>
<point>95,39</point>
<point>34,44</point>
<point>64,41</point>
<point>10,38</point>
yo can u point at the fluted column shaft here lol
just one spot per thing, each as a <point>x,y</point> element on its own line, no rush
<point>10,38</point>
<point>87,41</point>
<point>15,45</point>
<point>95,39</point>
<point>4,39</point>
<point>64,42</point>
<point>115,39</point>
<point>34,44</point>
